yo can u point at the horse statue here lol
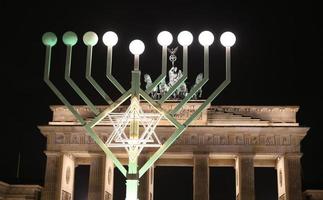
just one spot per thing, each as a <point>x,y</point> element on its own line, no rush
<point>198,93</point>
<point>181,91</point>
<point>163,88</point>
<point>172,76</point>
<point>149,82</point>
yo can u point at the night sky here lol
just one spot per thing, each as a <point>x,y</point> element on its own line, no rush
<point>276,61</point>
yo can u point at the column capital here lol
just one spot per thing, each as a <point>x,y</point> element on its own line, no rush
<point>96,154</point>
<point>293,155</point>
<point>52,153</point>
<point>201,154</point>
<point>244,155</point>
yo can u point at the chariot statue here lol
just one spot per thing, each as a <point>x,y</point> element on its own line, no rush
<point>174,74</point>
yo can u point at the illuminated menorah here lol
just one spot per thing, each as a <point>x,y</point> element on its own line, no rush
<point>140,126</point>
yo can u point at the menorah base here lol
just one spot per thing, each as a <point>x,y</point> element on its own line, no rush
<point>132,189</point>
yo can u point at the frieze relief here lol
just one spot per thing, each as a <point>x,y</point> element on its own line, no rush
<point>235,140</point>
<point>61,138</point>
<point>195,139</point>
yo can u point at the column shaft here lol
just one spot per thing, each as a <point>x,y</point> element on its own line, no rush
<point>51,178</point>
<point>245,178</point>
<point>201,177</point>
<point>109,174</point>
<point>146,182</point>
<point>293,178</point>
<point>96,181</point>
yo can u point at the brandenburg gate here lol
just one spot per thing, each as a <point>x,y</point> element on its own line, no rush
<point>242,137</point>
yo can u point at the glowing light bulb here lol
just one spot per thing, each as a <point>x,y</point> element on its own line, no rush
<point>165,38</point>
<point>136,47</point>
<point>49,39</point>
<point>185,38</point>
<point>110,38</point>
<point>206,38</point>
<point>227,39</point>
<point>70,38</point>
<point>90,38</point>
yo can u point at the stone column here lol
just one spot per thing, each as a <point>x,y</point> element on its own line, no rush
<point>59,178</point>
<point>146,182</point>
<point>201,176</point>
<point>245,186</point>
<point>67,176</point>
<point>51,177</point>
<point>109,174</point>
<point>289,177</point>
<point>97,177</point>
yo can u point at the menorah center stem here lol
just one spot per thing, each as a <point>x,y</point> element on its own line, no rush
<point>136,62</point>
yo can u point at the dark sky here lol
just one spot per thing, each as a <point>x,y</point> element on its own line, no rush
<point>276,61</point>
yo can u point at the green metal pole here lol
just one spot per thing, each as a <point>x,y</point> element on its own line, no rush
<point>196,87</point>
<point>73,84</point>
<point>91,79</point>
<point>109,71</point>
<point>106,150</point>
<point>55,90</point>
<point>88,129</point>
<point>223,85</point>
<point>132,176</point>
<point>164,69</point>
<point>110,108</point>
<point>161,150</point>
<point>157,106</point>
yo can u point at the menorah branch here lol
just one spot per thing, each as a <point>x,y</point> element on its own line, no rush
<point>73,84</point>
<point>109,109</point>
<point>223,85</point>
<point>109,71</point>
<point>91,79</point>
<point>197,86</point>
<point>102,145</point>
<point>158,107</point>
<point>55,90</point>
<point>162,76</point>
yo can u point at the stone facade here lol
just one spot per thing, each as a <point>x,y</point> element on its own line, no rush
<point>19,192</point>
<point>242,137</point>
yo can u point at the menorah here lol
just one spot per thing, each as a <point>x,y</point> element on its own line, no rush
<point>135,129</point>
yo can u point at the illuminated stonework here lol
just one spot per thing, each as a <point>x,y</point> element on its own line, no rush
<point>243,137</point>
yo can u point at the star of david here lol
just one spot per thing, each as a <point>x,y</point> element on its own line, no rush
<point>147,135</point>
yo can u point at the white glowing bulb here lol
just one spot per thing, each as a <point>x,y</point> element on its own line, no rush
<point>206,38</point>
<point>227,39</point>
<point>185,38</point>
<point>136,47</point>
<point>90,38</point>
<point>165,38</point>
<point>110,38</point>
